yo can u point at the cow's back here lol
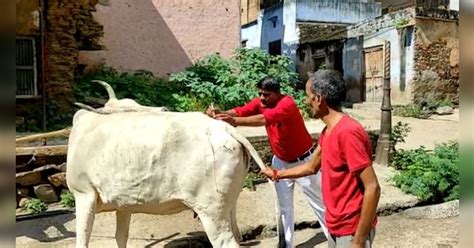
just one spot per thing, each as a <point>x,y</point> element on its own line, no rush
<point>145,158</point>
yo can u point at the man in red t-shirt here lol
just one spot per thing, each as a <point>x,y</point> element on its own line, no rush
<point>290,142</point>
<point>350,187</point>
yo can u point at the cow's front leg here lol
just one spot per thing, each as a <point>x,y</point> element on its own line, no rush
<point>85,214</point>
<point>217,225</point>
<point>122,229</point>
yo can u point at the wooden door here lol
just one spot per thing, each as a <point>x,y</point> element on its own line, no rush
<point>374,74</point>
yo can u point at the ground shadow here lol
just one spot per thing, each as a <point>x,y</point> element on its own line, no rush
<point>160,240</point>
<point>250,243</point>
<point>312,242</point>
<point>36,228</point>
<point>194,239</point>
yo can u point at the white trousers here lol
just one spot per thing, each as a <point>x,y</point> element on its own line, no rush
<point>311,187</point>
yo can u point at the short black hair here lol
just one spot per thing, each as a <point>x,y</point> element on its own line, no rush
<point>269,83</point>
<point>330,85</point>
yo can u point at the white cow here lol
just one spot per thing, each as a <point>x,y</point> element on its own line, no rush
<point>157,163</point>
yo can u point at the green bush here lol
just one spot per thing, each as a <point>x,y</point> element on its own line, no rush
<point>399,133</point>
<point>423,110</point>
<point>231,82</point>
<point>432,176</point>
<point>67,199</point>
<point>410,110</point>
<point>213,79</point>
<point>140,85</point>
<point>36,206</point>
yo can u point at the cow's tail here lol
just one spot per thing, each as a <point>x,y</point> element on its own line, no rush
<point>253,153</point>
<point>110,90</point>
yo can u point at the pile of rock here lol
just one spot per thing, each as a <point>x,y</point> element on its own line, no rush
<point>41,167</point>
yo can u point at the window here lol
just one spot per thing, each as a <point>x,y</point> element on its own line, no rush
<point>243,43</point>
<point>26,67</point>
<point>408,36</point>
<point>273,20</point>
<point>274,47</point>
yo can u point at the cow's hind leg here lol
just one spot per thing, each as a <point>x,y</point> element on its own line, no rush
<point>218,229</point>
<point>85,214</point>
<point>122,229</point>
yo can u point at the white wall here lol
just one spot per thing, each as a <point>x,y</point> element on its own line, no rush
<point>251,33</point>
<point>454,5</point>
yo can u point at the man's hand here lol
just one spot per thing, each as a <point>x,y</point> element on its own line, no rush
<point>227,118</point>
<point>212,111</point>
<point>267,171</point>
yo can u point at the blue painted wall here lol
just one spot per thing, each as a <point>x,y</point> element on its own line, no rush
<point>272,25</point>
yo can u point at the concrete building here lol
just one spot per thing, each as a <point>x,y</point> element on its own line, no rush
<point>286,27</point>
<point>58,40</point>
<point>164,36</point>
<point>424,54</point>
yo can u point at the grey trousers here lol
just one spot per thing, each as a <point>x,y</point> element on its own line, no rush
<point>345,241</point>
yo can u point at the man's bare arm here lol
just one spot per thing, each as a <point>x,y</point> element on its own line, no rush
<point>230,112</point>
<point>369,205</point>
<point>308,168</point>
<point>252,121</point>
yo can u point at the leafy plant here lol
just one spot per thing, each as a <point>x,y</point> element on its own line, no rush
<point>67,199</point>
<point>36,206</point>
<point>433,176</point>
<point>249,181</point>
<point>231,82</point>
<point>421,110</point>
<point>399,133</point>
<point>252,179</point>
<point>407,111</point>
<point>140,85</point>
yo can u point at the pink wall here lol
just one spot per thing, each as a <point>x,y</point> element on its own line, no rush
<point>164,36</point>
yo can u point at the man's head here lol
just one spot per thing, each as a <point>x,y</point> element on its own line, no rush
<point>325,90</point>
<point>269,92</point>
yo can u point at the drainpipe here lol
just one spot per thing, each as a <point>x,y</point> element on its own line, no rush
<point>43,61</point>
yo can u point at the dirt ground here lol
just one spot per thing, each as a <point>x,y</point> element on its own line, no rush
<point>392,231</point>
<point>146,231</point>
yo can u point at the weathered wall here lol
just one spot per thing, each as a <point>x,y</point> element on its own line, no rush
<point>165,36</point>
<point>354,66</point>
<point>249,11</point>
<point>330,11</point>
<point>27,17</point>
<point>372,26</point>
<point>316,41</point>
<point>436,60</point>
<point>69,27</point>
<point>273,26</point>
<point>387,28</point>
<point>400,94</point>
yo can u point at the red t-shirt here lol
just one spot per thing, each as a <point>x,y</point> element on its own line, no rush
<point>286,131</point>
<point>345,151</point>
